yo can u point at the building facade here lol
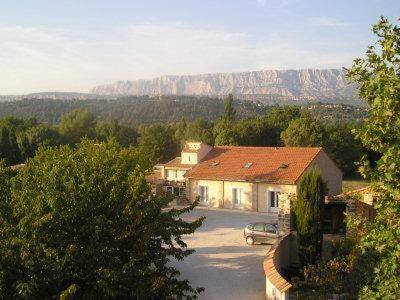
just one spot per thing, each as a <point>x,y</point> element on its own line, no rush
<point>247,178</point>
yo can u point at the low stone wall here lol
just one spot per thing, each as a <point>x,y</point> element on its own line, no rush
<point>281,255</point>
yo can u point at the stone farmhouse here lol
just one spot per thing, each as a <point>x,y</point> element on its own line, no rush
<point>247,178</point>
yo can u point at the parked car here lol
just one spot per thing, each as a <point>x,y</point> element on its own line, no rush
<point>261,232</point>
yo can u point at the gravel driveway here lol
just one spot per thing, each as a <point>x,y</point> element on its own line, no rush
<point>224,264</point>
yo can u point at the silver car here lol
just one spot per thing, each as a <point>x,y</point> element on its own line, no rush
<point>261,232</point>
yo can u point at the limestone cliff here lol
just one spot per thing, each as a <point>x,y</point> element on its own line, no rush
<point>308,84</point>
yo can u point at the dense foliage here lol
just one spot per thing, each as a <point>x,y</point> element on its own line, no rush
<point>304,132</point>
<point>130,111</point>
<point>370,268</point>
<point>20,139</point>
<point>308,211</point>
<point>378,75</point>
<point>279,126</point>
<point>134,111</point>
<point>83,223</point>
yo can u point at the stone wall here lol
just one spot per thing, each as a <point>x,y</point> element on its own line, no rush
<point>281,255</point>
<point>285,214</point>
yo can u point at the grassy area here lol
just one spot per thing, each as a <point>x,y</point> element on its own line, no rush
<point>354,184</point>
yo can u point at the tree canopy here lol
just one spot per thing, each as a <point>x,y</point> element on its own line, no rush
<point>83,223</point>
<point>378,75</point>
<point>304,132</point>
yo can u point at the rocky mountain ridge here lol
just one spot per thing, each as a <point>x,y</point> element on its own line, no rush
<point>269,85</point>
<point>55,96</point>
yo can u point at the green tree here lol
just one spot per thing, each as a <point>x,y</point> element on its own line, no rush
<point>304,132</point>
<point>76,125</point>
<point>223,130</point>
<point>9,150</point>
<point>31,139</point>
<point>180,132</point>
<point>281,116</point>
<point>200,130</point>
<point>343,146</point>
<point>83,223</point>
<point>125,136</point>
<point>229,110</point>
<point>308,211</point>
<point>225,134</point>
<point>378,77</point>
<point>157,143</point>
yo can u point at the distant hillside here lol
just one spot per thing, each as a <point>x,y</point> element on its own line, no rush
<point>54,96</point>
<point>269,86</point>
<point>134,111</point>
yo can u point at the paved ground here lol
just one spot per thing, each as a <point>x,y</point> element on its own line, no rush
<point>224,265</point>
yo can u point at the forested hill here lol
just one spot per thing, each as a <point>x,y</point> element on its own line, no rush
<point>133,111</point>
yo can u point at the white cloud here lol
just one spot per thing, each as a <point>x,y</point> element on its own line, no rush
<point>44,59</point>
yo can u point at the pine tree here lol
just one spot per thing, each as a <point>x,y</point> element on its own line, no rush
<point>229,111</point>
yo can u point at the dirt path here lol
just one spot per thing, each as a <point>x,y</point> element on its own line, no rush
<point>224,265</point>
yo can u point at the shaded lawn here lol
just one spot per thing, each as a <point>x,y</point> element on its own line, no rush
<point>354,184</point>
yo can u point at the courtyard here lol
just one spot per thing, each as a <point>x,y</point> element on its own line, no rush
<point>224,264</point>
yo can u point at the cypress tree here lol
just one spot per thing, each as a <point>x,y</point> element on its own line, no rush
<point>308,211</point>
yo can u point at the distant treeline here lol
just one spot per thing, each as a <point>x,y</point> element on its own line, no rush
<point>134,111</point>
<point>158,128</point>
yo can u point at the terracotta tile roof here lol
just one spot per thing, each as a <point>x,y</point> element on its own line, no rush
<point>176,163</point>
<point>155,177</point>
<point>265,164</point>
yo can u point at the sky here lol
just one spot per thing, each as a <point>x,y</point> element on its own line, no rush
<point>74,45</point>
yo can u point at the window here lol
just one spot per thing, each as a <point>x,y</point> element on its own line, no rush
<point>259,227</point>
<point>273,196</point>
<point>181,191</point>
<point>171,173</point>
<point>176,191</point>
<point>203,191</point>
<point>237,196</point>
<point>169,189</point>
<point>180,174</point>
<point>248,165</point>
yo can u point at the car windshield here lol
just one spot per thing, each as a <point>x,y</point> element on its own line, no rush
<point>271,228</point>
<point>259,227</point>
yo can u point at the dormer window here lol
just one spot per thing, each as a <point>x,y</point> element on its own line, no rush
<point>247,165</point>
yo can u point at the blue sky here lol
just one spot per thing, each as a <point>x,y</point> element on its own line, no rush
<point>73,45</point>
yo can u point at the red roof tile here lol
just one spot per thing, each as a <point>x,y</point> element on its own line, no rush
<point>176,163</point>
<point>155,177</point>
<point>268,164</point>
